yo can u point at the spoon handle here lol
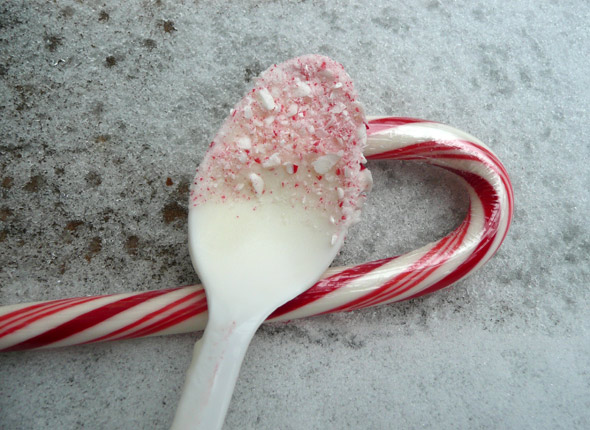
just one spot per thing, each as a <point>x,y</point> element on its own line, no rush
<point>212,374</point>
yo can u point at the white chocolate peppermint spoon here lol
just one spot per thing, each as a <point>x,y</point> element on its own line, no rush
<point>271,201</point>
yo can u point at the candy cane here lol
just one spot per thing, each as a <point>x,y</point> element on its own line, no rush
<point>437,265</point>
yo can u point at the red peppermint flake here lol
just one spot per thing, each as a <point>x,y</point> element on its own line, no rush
<point>257,160</point>
<point>295,168</point>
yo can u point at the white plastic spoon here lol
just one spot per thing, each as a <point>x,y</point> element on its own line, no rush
<point>270,206</point>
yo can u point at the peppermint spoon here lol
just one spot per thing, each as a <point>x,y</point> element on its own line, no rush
<point>269,209</point>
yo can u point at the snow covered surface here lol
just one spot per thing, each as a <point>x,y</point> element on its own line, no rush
<point>107,108</point>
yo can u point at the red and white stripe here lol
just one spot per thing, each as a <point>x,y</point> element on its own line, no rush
<point>430,268</point>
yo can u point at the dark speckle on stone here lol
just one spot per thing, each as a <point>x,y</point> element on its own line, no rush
<point>93,179</point>
<point>25,93</point>
<point>525,77</point>
<point>103,16</point>
<point>94,247</point>
<point>149,44</point>
<point>131,245</point>
<point>168,26</point>
<point>34,184</point>
<point>110,61</point>
<point>102,138</point>
<point>52,42</point>
<point>182,189</point>
<point>7,182</point>
<point>433,5</point>
<point>571,232</point>
<point>478,14</point>
<point>67,12</point>
<point>3,235</point>
<point>5,213</point>
<point>252,71</point>
<point>169,182</point>
<point>73,225</point>
<point>173,211</point>
<point>97,108</point>
<point>59,171</point>
<point>292,331</point>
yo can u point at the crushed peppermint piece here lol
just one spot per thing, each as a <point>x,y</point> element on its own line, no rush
<point>366,180</point>
<point>289,168</point>
<point>337,85</point>
<point>302,90</point>
<point>257,183</point>
<point>326,75</point>
<point>361,132</point>
<point>272,161</point>
<point>244,142</point>
<point>340,192</point>
<point>265,99</point>
<point>324,163</point>
<point>339,108</point>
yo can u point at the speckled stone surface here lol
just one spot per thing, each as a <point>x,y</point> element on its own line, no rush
<point>106,108</point>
